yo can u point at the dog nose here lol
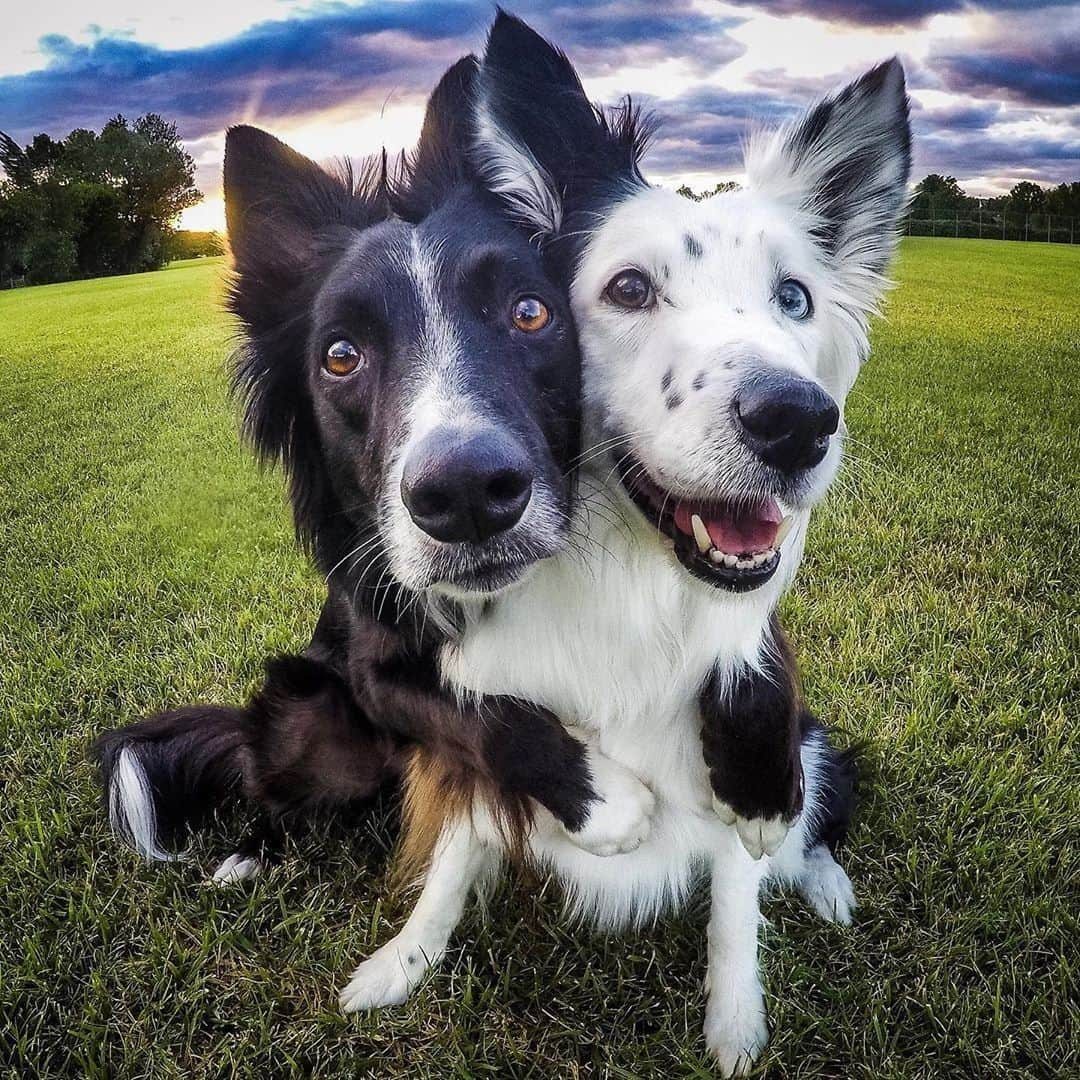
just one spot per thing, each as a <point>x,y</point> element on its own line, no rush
<point>466,485</point>
<point>786,420</point>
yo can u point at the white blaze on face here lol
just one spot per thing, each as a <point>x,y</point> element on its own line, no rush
<point>438,398</point>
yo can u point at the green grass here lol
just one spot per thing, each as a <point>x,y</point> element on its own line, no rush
<point>147,563</point>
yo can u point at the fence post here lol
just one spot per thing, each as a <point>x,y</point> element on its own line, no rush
<point>956,223</point>
<point>1004,214</point>
<point>1027,226</point>
<point>1049,218</point>
<point>980,219</point>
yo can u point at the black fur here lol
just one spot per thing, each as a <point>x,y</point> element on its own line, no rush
<point>590,155</point>
<point>839,781</point>
<point>752,739</point>
<point>854,181</point>
<point>319,257</point>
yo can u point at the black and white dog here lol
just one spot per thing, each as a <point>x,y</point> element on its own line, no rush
<point>410,360</point>
<point>547,666</point>
<point>719,341</point>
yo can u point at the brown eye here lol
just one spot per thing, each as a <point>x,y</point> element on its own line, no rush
<point>342,358</point>
<point>531,314</point>
<point>630,289</point>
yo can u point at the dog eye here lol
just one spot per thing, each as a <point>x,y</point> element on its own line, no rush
<point>343,358</point>
<point>630,289</point>
<point>530,314</point>
<point>793,299</point>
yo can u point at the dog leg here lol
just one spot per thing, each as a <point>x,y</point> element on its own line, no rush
<point>751,741</point>
<point>259,850</point>
<point>392,972</point>
<point>736,1030</point>
<point>618,819</point>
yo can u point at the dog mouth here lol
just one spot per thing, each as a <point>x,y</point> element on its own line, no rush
<point>486,578</point>
<point>732,544</point>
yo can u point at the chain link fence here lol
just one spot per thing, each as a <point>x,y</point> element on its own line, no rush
<point>993,223</point>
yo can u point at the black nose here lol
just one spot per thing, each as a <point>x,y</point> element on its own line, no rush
<point>786,420</point>
<point>466,484</point>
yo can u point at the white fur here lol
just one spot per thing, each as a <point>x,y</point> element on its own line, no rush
<point>510,170</point>
<point>131,807</point>
<point>237,868</point>
<point>620,818</point>
<point>392,972</point>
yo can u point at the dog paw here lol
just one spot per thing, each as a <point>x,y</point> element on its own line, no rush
<point>760,836</point>
<point>387,977</point>
<point>826,888</point>
<point>736,1031</point>
<point>621,818</point>
<point>237,868</point>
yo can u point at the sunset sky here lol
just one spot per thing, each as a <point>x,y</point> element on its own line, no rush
<point>995,84</point>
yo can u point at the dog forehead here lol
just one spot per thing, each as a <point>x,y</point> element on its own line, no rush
<point>682,240</point>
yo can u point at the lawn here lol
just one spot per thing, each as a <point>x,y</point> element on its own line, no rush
<point>148,563</point>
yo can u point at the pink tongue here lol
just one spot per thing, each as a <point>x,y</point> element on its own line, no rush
<point>739,531</point>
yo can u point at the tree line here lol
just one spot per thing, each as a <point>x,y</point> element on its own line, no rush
<point>936,192</point>
<point>94,203</point>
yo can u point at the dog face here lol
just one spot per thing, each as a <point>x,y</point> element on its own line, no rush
<point>419,377</point>
<point>719,339</point>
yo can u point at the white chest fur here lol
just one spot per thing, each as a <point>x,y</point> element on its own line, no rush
<point>617,642</point>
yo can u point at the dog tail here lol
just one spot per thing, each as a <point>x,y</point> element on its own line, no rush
<point>301,745</point>
<point>837,774</point>
<point>166,775</point>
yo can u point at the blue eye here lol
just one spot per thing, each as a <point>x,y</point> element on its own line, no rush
<point>794,300</point>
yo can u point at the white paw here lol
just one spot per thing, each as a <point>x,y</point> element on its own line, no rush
<point>387,977</point>
<point>826,888</point>
<point>736,1030</point>
<point>621,819</point>
<point>237,868</point>
<point>760,836</point>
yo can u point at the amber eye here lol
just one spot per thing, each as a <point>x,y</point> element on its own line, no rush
<point>630,289</point>
<point>342,358</point>
<point>530,314</point>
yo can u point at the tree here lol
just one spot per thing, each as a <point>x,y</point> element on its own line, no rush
<point>1027,198</point>
<point>937,192</point>
<point>92,203</point>
<point>1064,200</point>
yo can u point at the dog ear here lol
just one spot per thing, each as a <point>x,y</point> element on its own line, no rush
<point>440,161</point>
<point>277,203</point>
<point>846,164</point>
<point>284,214</point>
<point>539,143</point>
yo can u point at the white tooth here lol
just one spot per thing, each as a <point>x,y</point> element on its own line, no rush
<point>744,564</point>
<point>730,560</point>
<point>717,556</point>
<point>781,533</point>
<point>701,534</point>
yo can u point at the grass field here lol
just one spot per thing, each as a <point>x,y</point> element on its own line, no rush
<point>147,563</point>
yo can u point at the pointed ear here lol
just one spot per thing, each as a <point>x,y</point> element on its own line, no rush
<point>283,214</point>
<point>539,142</point>
<point>845,163</point>
<point>278,203</point>
<point>439,162</point>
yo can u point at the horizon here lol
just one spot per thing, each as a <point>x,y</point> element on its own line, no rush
<point>995,86</point>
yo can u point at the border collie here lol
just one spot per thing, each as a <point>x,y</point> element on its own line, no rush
<point>719,341</point>
<point>411,362</point>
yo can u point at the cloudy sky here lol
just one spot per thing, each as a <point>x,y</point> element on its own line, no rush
<point>995,83</point>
